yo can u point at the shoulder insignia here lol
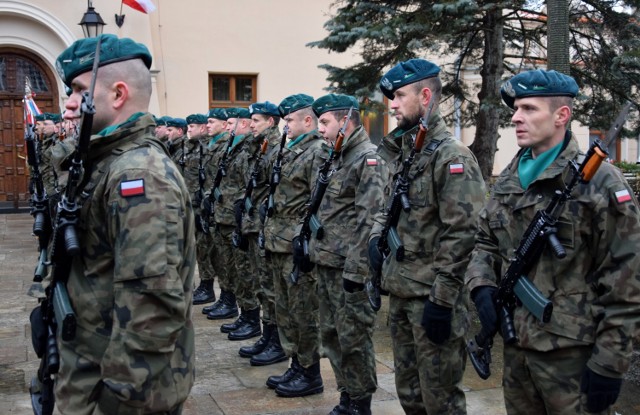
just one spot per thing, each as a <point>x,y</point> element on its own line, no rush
<point>132,188</point>
<point>623,196</point>
<point>457,168</point>
<point>372,162</point>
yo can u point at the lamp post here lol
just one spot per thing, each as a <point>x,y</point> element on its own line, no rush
<point>92,24</point>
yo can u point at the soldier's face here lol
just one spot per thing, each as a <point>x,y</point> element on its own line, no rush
<point>296,123</point>
<point>328,126</point>
<point>215,126</point>
<point>49,128</point>
<point>195,131</point>
<point>538,126</point>
<point>39,127</point>
<point>103,97</point>
<point>406,106</point>
<point>174,132</point>
<point>161,132</point>
<point>259,123</point>
<point>231,124</point>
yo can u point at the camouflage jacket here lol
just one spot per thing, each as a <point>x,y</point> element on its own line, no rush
<point>232,185</point>
<point>46,167</point>
<point>300,164</point>
<point>595,289</point>
<point>251,222</point>
<point>354,195</point>
<point>191,164</point>
<point>176,149</point>
<point>131,287</point>
<point>446,192</point>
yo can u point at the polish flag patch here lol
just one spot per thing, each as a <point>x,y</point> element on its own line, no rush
<point>132,188</point>
<point>372,162</point>
<point>623,196</point>
<point>457,168</point>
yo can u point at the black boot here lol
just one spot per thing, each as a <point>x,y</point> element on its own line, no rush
<point>204,293</point>
<point>229,327</point>
<point>360,406</point>
<point>228,308</point>
<point>274,381</point>
<point>342,408</point>
<point>259,346</point>
<point>272,353</point>
<point>217,304</point>
<point>306,382</point>
<point>250,326</point>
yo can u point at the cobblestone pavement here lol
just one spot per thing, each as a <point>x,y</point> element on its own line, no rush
<point>225,383</point>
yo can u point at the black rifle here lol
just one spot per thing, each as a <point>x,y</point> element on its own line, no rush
<point>245,204</point>
<point>202,178</point>
<point>390,242</point>
<point>182,162</point>
<point>515,288</point>
<point>275,173</point>
<point>215,195</point>
<point>311,225</point>
<point>55,310</point>
<point>39,201</point>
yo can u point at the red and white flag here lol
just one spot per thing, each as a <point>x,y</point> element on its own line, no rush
<point>144,6</point>
<point>30,107</point>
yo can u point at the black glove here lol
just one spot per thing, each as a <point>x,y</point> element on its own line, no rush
<point>483,299</point>
<point>351,286</point>
<point>436,320</point>
<point>299,258</point>
<point>375,256</point>
<point>601,391</point>
<point>262,211</point>
<point>238,210</point>
<point>207,207</point>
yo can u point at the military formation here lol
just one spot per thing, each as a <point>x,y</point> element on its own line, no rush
<point>294,224</point>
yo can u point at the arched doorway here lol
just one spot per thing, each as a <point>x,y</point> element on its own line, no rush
<point>15,65</point>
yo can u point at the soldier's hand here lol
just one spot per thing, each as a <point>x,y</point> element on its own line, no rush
<point>375,256</point>
<point>436,320</point>
<point>601,391</point>
<point>483,299</point>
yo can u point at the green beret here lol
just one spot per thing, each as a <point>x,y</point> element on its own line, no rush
<point>177,122</point>
<point>197,119</point>
<point>162,120</point>
<point>40,117</point>
<point>238,113</point>
<point>293,103</point>
<point>264,108</point>
<point>218,114</point>
<point>47,116</point>
<point>56,118</point>
<point>78,58</point>
<point>538,83</point>
<point>406,73</point>
<point>334,102</point>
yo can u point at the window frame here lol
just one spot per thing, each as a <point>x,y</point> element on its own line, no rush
<point>232,89</point>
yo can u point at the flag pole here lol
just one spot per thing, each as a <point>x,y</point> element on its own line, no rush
<point>120,17</point>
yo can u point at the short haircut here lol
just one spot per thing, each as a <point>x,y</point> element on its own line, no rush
<point>355,116</point>
<point>434,84</point>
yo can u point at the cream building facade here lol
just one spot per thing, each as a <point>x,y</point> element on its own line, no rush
<point>206,53</point>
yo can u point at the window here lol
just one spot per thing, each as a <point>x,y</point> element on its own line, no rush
<point>375,117</point>
<point>227,90</point>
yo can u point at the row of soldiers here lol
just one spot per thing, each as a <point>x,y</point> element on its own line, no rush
<point>253,188</point>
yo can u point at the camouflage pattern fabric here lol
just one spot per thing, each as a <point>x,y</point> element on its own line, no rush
<point>446,193</point>
<point>49,179</point>
<point>354,194</point>
<point>529,375</point>
<point>58,154</point>
<point>176,151</point>
<point>134,347</point>
<point>595,289</point>
<point>296,311</point>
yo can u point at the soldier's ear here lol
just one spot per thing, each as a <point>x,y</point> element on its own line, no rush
<point>121,91</point>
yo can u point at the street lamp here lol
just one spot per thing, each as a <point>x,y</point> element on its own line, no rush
<point>92,24</point>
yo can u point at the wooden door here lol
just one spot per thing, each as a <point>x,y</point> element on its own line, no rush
<point>15,65</point>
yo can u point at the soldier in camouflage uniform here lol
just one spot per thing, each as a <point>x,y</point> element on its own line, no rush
<point>296,304</point>
<point>196,157</point>
<point>177,140</point>
<point>353,196</point>
<point>161,131</point>
<point>131,286</point>
<point>427,299</point>
<point>47,134</point>
<point>265,118</point>
<point>573,364</point>
<point>236,260</point>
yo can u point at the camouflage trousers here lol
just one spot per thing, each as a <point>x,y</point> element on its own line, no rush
<point>204,246</point>
<point>244,280</point>
<point>545,382</point>
<point>222,257</point>
<point>428,376</point>
<point>296,311</point>
<point>263,286</point>
<point>346,331</point>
